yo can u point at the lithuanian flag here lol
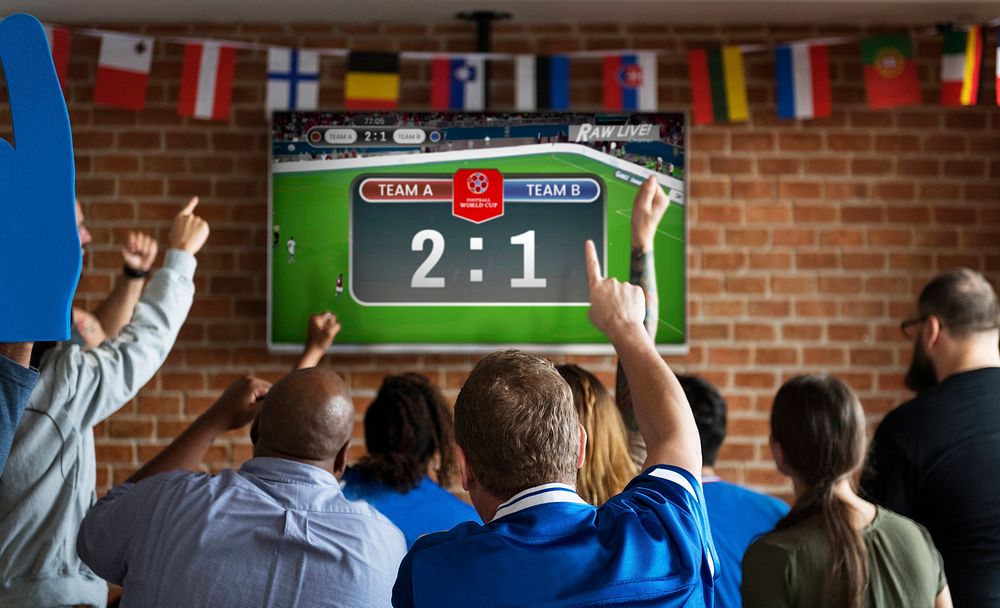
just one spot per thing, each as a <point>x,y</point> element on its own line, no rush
<point>961,58</point>
<point>372,81</point>
<point>890,72</point>
<point>718,85</point>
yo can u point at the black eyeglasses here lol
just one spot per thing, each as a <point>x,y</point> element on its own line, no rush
<point>908,326</point>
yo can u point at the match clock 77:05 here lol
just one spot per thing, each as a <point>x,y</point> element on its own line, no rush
<point>475,237</point>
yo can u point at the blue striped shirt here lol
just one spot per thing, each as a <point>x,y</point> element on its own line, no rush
<point>274,533</point>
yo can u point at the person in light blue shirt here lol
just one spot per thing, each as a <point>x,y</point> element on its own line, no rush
<point>408,432</point>
<point>279,532</point>
<point>520,444</point>
<point>738,515</point>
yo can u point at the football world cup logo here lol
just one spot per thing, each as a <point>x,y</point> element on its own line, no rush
<point>478,183</point>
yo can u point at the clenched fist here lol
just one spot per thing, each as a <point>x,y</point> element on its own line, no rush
<point>650,204</point>
<point>190,231</point>
<point>139,251</point>
<point>239,404</point>
<point>323,328</point>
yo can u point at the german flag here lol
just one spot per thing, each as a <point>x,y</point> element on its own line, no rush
<point>718,85</point>
<point>372,81</point>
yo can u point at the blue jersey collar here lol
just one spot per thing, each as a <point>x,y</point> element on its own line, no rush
<point>539,495</point>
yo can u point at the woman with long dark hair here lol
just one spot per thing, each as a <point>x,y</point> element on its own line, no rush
<point>409,434</point>
<point>834,549</point>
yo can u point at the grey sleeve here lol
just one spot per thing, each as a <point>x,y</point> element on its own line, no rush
<point>104,378</point>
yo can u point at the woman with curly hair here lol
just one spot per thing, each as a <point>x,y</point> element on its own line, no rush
<point>409,434</point>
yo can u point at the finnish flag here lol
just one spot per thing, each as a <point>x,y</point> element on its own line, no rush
<point>292,79</point>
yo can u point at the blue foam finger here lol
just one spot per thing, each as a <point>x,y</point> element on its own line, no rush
<point>40,257</point>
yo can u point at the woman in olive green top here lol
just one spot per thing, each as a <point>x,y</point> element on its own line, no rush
<point>835,550</point>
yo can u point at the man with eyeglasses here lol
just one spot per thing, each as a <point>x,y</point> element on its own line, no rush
<point>936,458</point>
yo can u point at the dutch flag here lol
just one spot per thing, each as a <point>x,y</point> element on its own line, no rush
<point>630,82</point>
<point>458,83</point>
<point>803,72</point>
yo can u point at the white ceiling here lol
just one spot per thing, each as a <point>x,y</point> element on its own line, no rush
<point>563,11</point>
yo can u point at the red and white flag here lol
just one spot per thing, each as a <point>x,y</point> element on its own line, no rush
<point>207,81</point>
<point>123,71</point>
<point>59,45</point>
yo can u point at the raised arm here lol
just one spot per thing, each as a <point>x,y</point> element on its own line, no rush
<point>647,210</point>
<point>104,378</point>
<point>661,410</point>
<point>138,255</point>
<point>235,408</point>
<point>323,328</point>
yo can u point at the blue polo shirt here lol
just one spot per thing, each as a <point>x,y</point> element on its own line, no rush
<point>424,509</point>
<point>648,546</point>
<point>738,517</point>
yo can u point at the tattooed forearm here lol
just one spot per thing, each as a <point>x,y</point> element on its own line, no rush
<point>642,272</point>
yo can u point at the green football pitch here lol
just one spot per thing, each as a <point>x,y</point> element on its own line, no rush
<point>313,208</point>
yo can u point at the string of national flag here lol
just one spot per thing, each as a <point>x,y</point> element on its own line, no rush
<point>542,82</point>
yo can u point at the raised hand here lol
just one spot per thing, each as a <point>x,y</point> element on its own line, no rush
<point>323,328</point>
<point>139,251</point>
<point>40,256</point>
<point>614,306</point>
<point>321,331</point>
<point>189,232</point>
<point>238,404</point>
<point>650,204</point>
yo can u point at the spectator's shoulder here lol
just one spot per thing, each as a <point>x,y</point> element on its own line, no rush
<point>909,415</point>
<point>461,533</point>
<point>657,486</point>
<point>764,502</point>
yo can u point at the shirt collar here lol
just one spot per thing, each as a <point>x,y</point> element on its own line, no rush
<point>281,470</point>
<point>539,495</point>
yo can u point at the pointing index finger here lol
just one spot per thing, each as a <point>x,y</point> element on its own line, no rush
<point>594,274</point>
<point>190,206</point>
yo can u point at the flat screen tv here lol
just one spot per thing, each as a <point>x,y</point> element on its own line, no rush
<point>438,232</point>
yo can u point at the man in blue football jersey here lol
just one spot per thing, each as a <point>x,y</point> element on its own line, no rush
<point>520,444</point>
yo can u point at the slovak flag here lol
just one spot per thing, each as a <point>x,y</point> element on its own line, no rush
<point>458,82</point>
<point>123,71</point>
<point>292,79</point>
<point>59,46</point>
<point>803,72</point>
<point>630,82</point>
<point>207,80</point>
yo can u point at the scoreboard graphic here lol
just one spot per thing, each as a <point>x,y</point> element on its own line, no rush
<point>462,235</point>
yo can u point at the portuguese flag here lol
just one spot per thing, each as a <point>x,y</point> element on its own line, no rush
<point>890,72</point>
<point>961,58</point>
<point>718,85</point>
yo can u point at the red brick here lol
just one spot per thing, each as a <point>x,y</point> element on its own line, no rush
<point>755,142</point>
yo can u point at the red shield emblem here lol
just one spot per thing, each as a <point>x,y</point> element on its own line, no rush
<point>477,195</point>
<point>630,76</point>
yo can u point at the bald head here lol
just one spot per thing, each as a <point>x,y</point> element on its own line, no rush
<point>308,414</point>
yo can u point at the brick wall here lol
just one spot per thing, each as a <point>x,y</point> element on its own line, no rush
<point>808,240</point>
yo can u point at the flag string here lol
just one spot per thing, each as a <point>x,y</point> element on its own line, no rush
<point>431,55</point>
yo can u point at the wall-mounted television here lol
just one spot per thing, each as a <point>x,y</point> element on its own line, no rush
<point>447,232</point>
